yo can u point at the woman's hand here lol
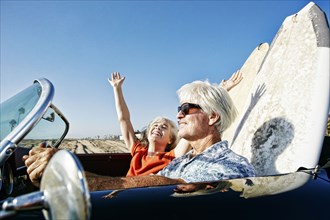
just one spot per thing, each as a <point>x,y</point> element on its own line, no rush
<point>233,81</point>
<point>116,80</point>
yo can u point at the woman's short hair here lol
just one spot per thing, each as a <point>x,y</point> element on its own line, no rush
<point>173,129</point>
<point>212,99</point>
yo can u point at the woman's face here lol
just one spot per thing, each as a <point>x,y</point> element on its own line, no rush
<point>160,132</point>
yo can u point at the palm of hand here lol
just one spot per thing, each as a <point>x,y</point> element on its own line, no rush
<point>233,81</point>
<point>228,84</point>
<point>116,79</point>
<point>116,82</point>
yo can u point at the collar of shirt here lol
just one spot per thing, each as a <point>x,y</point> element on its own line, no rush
<point>217,148</point>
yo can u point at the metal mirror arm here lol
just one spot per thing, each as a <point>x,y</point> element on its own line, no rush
<point>67,125</point>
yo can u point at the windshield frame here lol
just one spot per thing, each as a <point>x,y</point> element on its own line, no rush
<point>10,142</point>
<point>44,102</point>
<point>66,122</point>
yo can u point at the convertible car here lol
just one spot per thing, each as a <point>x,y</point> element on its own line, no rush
<point>30,117</point>
<point>304,194</point>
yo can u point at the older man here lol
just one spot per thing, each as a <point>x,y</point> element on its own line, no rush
<point>206,110</point>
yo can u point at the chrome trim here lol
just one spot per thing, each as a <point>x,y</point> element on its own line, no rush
<point>9,143</point>
<point>59,113</point>
<point>34,200</point>
<point>6,150</point>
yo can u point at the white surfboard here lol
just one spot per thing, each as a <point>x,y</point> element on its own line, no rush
<point>241,92</point>
<point>282,127</point>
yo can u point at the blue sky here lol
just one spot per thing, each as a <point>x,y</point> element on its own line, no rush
<point>157,45</point>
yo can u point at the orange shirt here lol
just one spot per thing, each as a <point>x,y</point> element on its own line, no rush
<point>142,164</point>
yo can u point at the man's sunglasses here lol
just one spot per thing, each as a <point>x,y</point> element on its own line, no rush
<point>185,107</point>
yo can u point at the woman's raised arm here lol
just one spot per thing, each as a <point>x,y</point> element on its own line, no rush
<point>123,114</point>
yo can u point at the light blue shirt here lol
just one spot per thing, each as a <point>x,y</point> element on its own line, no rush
<point>217,162</point>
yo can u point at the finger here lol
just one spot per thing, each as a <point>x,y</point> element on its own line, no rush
<point>239,78</point>
<point>43,144</point>
<point>36,150</point>
<point>24,158</point>
<point>233,76</point>
<point>116,75</point>
<point>239,74</point>
<point>32,151</point>
<point>236,75</point>
<point>29,162</point>
<point>36,174</point>
<point>37,155</point>
<point>36,166</point>
<point>41,158</point>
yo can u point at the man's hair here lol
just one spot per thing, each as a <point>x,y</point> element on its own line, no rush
<point>212,99</point>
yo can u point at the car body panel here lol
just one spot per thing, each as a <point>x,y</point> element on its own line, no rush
<point>309,199</point>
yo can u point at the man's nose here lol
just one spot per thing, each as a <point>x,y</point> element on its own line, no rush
<point>179,115</point>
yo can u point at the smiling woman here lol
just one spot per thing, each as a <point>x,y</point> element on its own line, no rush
<point>147,156</point>
<point>156,149</point>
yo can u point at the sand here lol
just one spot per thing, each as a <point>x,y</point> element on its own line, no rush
<point>91,146</point>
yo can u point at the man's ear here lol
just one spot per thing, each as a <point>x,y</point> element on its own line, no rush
<point>214,118</point>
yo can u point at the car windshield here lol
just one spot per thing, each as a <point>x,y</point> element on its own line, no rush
<point>50,128</point>
<point>15,109</point>
<point>29,117</point>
